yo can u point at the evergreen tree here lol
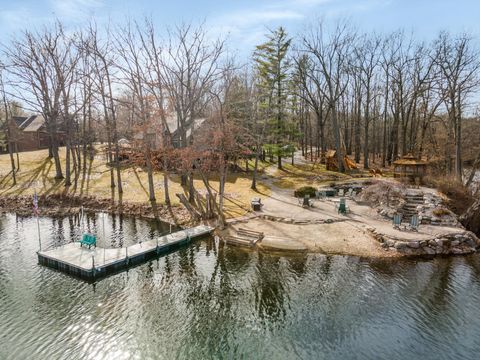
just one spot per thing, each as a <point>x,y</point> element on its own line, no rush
<point>273,71</point>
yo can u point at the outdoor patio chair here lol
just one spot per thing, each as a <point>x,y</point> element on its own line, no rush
<point>88,239</point>
<point>350,192</point>
<point>414,223</point>
<point>342,207</point>
<point>397,221</point>
<point>341,192</point>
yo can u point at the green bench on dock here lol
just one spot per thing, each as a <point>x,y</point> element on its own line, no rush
<point>88,239</point>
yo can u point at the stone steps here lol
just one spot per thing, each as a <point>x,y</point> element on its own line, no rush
<point>413,200</point>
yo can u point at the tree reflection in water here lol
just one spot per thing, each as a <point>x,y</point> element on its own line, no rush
<point>209,300</point>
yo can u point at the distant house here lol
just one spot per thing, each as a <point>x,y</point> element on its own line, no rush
<point>152,133</point>
<point>30,133</point>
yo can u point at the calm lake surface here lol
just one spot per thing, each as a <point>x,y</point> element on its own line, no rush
<point>210,301</point>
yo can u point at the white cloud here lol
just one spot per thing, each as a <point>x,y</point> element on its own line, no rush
<point>246,18</point>
<point>75,10</point>
<point>247,26</point>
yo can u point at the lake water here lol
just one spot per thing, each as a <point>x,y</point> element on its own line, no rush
<point>210,301</point>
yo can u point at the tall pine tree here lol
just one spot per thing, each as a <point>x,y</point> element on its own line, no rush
<point>273,71</point>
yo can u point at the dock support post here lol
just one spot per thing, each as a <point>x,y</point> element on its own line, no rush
<point>93,266</point>
<point>39,239</point>
<point>83,224</point>
<point>104,240</point>
<point>126,255</point>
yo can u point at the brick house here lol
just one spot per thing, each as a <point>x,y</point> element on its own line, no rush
<point>30,133</point>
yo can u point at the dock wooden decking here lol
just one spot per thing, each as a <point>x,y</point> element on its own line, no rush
<point>97,262</point>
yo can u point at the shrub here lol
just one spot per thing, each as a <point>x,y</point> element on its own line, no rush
<point>459,198</point>
<point>305,190</point>
<point>441,212</point>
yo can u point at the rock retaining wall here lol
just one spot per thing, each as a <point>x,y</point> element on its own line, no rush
<point>300,222</point>
<point>284,220</point>
<point>464,242</point>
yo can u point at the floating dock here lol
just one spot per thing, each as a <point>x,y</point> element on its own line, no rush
<point>97,262</point>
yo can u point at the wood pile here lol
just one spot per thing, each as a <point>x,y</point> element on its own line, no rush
<point>331,161</point>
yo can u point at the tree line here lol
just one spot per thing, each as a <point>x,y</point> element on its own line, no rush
<point>374,97</point>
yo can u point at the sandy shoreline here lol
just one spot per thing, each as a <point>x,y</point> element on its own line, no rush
<point>287,227</point>
<point>335,238</point>
<point>363,231</point>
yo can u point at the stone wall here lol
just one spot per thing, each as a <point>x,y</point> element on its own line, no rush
<point>464,242</point>
<point>389,199</point>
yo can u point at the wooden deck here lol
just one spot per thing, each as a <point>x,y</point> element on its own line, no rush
<point>97,262</point>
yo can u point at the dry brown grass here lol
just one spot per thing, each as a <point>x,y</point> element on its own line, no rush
<point>298,175</point>
<point>37,173</point>
<point>459,197</point>
<point>440,212</point>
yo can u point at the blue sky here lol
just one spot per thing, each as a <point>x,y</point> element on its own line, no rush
<point>245,22</point>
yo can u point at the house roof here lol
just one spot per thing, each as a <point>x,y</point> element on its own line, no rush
<point>172,123</point>
<point>410,160</point>
<point>19,120</point>
<point>33,123</point>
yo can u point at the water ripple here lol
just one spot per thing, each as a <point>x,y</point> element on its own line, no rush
<point>215,301</point>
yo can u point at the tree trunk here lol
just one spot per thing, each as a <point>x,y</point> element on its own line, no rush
<point>385,118</point>
<point>56,157</point>
<point>193,212</point>
<point>165,181</point>
<point>366,135</point>
<point>458,143</point>
<point>221,192</point>
<point>68,181</point>
<point>191,189</point>
<point>18,156</point>
<point>151,188</point>
<point>338,147</point>
<point>357,130</point>
<point>255,170</point>
<point>117,165</point>
<point>212,196</point>
<point>12,162</point>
